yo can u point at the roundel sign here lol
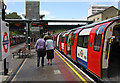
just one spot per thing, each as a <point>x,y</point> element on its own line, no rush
<point>5,42</point>
<point>4,38</point>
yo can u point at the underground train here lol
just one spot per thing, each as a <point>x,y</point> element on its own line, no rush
<point>16,39</point>
<point>96,47</point>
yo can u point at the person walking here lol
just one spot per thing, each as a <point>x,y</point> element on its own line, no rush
<point>40,47</point>
<point>50,49</point>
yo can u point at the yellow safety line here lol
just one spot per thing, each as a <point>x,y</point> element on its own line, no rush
<point>72,68</point>
<point>109,50</point>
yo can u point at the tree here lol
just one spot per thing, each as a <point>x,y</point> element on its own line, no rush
<point>12,15</point>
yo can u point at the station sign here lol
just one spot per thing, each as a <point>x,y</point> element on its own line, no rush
<point>4,40</point>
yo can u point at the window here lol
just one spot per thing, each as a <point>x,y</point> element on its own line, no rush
<point>98,19</point>
<point>93,20</point>
<point>66,39</point>
<point>62,39</point>
<point>34,40</point>
<point>73,38</point>
<point>80,41</point>
<point>31,39</point>
<point>106,17</point>
<point>85,43</point>
<point>98,36</point>
<point>59,39</point>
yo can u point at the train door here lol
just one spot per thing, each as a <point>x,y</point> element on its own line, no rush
<point>58,40</point>
<point>65,43</point>
<point>69,43</point>
<point>82,47</point>
<point>111,57</point>
<point>74,44</point>
<point>62,43</point>
<point>95,48</point>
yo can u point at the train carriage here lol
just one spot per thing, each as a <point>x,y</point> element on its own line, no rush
<point>16,40</point>
<point>96,47</point>
<point>74,44</point>
<point>82,46</point>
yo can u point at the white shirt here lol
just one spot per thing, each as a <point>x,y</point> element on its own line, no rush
<point>49,44</point>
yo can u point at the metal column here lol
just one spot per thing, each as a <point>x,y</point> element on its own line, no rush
<point>29,26</point>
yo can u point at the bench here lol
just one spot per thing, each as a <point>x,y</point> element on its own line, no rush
<point>15,53</point>
<point>22,52</point>
<point>25,51</point>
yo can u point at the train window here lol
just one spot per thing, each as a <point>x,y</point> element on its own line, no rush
<point>62,39</point>
<point>98,36</point>
<point>31,39</point>
<point>59,38</point>
<point>66,39</point>
<point>34,40</point>
<point>55,38</point>
<point>80,41</point>
<point>85,43</point>
<point>73,39</point>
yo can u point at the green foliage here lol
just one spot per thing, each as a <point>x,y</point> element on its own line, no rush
<point>57,31</point>
<point>12,15</point>
<point>14,33</point>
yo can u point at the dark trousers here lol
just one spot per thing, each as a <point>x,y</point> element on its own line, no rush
<point>40,53</point>
<point>38,61</point>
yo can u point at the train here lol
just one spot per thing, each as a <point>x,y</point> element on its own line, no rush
<point>95,47</point>
<point>16,39</point>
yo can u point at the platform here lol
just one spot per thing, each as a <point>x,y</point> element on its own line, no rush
<point>60,70</point>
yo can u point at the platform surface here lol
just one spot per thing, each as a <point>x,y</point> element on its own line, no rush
<point>60,70</point>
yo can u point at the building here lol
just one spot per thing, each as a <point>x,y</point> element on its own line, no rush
<point>119,5</point>
<point>32,10</point>
<point>95,9</point>
<point>105,14</point>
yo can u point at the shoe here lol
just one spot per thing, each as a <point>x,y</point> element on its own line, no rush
<point>37,65</point>
<point>51,64</point>
<point>42,65</point>
<point>48,63</point>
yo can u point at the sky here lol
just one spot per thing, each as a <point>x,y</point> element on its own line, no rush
<point>59,9</point>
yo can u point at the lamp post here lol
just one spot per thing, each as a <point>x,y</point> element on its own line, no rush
<point>29,26</point>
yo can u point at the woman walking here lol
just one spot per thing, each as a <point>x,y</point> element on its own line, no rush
<point>50,49</point>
